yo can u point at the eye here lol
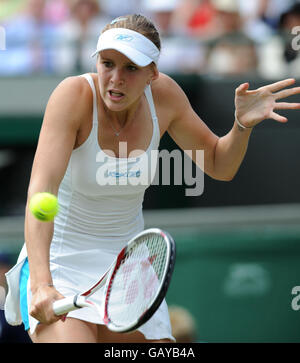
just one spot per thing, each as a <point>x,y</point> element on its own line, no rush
<point>132,68</point>
<point>107,64</point>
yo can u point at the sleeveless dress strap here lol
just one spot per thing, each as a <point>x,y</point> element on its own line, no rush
<point>149,97</point>
<point>89,78</point>
<point>156,129</point>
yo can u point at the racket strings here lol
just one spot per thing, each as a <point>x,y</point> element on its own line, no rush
<point>137,280</point>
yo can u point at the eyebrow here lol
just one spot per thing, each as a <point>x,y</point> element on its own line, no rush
<point>111,60</point>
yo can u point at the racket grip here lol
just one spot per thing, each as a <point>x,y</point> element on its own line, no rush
<point>67,304</point>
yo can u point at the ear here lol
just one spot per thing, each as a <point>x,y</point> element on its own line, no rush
<point>154,72</point>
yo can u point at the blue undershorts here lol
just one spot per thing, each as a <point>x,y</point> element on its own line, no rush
<point>24,276</point>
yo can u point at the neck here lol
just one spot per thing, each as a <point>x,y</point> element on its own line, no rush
<point>118,120</point>
<point>122,118</point>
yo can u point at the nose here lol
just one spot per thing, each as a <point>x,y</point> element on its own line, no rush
<point>117,77</point>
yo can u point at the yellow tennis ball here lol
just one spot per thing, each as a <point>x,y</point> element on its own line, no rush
<point>44,206</point>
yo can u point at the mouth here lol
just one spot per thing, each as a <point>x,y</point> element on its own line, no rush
<point>115,95</point>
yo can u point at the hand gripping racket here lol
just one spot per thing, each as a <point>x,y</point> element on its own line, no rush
<point>135,284</point>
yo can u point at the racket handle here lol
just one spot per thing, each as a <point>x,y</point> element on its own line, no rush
<point>68,304</point>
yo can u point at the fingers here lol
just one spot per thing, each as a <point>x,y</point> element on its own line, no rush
<point>278,118</point>
<point>41,307</point>
<point>274,87</point>
<point>283,106</point>
<point>242,88</point>
<point>43,315</point>
<point>287,93</point>
<point>286,106</point>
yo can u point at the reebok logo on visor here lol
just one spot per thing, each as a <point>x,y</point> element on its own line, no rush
<point>132,44</point>
<point>123,37</point>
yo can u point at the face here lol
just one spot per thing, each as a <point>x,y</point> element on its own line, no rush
<point>122,82</point>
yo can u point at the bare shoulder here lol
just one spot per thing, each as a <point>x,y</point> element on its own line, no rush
<point>70,102</point>
<point>62,120</point>
<point>170,101</point>
<point>71,92</point>
<point>165,86</point>
<point>168,94</point>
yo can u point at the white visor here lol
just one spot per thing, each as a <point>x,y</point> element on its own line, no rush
<point>135,46</point>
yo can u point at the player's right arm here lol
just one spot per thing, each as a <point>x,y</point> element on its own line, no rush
<point>62,120</point>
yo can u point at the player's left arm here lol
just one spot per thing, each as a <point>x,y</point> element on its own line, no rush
<point>189,131</point>
<point>224,155</point>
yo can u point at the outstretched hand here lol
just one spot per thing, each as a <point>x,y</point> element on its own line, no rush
<point>252,107</point>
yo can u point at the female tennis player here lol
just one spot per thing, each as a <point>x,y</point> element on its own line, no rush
<point>86,118</point>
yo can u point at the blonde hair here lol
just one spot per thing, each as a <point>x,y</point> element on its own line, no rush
<point>138,23</point>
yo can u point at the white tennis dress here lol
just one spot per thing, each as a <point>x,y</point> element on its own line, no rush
<point>100,199</point>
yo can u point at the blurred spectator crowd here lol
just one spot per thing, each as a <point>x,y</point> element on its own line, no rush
<point>211,37</point>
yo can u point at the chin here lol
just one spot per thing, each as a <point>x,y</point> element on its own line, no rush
<point>115,108</point>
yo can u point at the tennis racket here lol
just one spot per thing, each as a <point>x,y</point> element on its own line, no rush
<point>135,283</point>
